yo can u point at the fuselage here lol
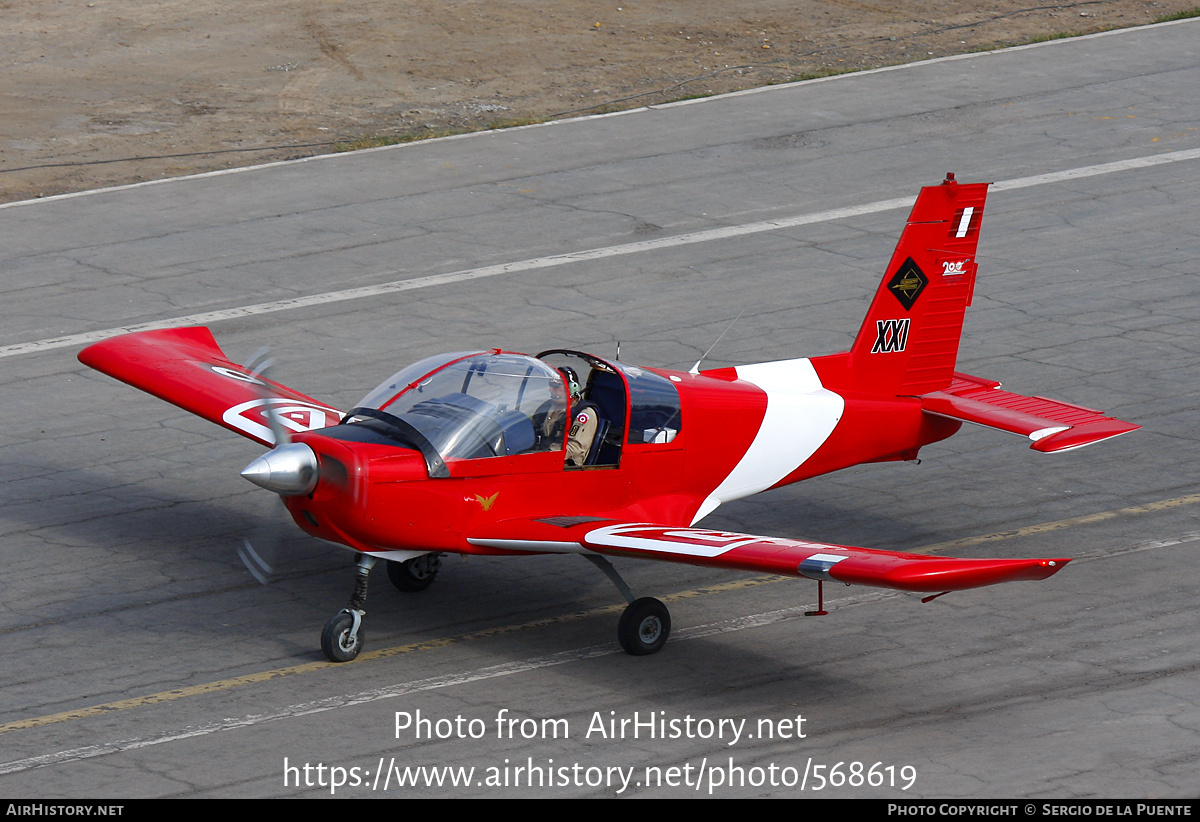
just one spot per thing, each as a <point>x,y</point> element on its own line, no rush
<point>737,431</point>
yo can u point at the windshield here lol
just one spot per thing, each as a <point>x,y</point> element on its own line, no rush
<point>406,377</point>
<point>478,405</point>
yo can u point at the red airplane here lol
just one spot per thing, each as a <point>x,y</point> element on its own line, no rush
<point>475,452</point>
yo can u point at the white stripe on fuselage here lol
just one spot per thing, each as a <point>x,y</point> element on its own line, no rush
<point>800,416</point>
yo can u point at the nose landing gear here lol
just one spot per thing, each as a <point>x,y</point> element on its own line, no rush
<point>343,637</point>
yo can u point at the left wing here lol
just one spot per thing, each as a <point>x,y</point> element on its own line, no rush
<point>788,557</point>
<point>186,367</point>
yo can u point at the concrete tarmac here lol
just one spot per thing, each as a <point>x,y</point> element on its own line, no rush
<point>143,660</point>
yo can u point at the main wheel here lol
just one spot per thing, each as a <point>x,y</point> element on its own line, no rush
<point>644,627</point>
<point>416,574</point>
<point>336,641</point>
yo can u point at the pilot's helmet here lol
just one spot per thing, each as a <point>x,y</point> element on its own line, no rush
<point>572,382</point>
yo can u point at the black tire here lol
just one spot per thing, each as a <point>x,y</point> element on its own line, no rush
<point>416,574</point>
<point>336,641</point>
<point>644,627</point>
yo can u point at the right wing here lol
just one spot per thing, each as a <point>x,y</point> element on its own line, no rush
<point>186,367</point>
<point>788,557</point>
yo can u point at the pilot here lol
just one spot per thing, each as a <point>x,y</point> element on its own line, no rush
<point>549,421</point>
<point>584,421</point>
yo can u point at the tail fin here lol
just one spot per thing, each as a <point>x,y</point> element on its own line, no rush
<point>908,343</point>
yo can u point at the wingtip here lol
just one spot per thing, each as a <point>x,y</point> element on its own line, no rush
<point>1079,436</point>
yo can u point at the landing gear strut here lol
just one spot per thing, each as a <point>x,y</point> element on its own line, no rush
<point>645,624</point>
<point>343,636</point>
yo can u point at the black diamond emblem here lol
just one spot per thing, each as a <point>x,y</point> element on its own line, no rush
<point>908,283</point>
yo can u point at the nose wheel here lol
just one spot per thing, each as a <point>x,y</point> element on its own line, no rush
<point>343,636</point>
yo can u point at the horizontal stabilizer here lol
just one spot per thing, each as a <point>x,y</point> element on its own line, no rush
<point>788,557</point>
<point>186,367</point>
<point>1052,425</point>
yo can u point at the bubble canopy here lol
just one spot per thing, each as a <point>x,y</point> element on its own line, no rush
<point>471,405</point>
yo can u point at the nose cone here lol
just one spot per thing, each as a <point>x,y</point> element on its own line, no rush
<point>288,470</point>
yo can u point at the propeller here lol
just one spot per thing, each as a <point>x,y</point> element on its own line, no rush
<point>259,551</point>
<point>288,469</point>
<point>260,363</point>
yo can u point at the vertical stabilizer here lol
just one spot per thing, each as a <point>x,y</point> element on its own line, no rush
<point>908,343</point>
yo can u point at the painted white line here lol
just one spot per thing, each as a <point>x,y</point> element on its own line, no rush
<point>552,123</point>
<point>456,276</point>
<point>1095,171</point>
<point>950,58</point>
<point>603,252</point>
<point>507,669</point>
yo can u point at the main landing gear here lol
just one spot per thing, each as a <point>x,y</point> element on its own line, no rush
<point>645,624</point>
<point>343,637</point>
<point>416,574</point>
<point>644,627</point>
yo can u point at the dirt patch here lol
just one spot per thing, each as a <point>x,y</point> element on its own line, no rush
<point>102,92</point>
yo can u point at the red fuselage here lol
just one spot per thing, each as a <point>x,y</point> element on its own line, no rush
<point>377,497</point>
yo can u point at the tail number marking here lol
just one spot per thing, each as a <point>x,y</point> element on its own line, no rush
<point>890,336</point>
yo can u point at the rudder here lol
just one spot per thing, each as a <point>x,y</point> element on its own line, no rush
<point>908,343</point>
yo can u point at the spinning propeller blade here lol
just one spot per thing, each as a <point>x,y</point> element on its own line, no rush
<point>287,469</point>
<point>258,367</point>
<point>273,546</point>
<point>258,567</point>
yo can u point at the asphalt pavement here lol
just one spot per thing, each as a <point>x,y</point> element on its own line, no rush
<point>143,660</point>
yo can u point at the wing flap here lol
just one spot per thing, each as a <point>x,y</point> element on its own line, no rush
<point>186,367</point>
<point>787,557</point>
<point>1051,425</point>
